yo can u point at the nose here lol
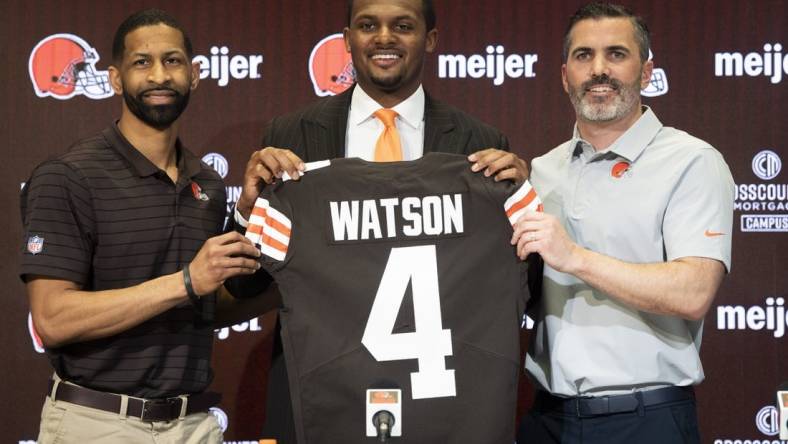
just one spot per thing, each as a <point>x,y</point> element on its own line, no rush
<point>599,66</point>
<point>384,35</point>
<point>158,73</point>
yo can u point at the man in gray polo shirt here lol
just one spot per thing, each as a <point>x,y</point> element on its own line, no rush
<point>636,238</point>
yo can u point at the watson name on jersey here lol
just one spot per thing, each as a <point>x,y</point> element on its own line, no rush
<point>398,276</point>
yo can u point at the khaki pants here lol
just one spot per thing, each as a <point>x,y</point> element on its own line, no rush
<point>63,422</point>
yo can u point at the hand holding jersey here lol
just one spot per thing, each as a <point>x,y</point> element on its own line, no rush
<point>219,258</point>
<point>264,167</point>
<point>542,233</point>
<point>502,165</point>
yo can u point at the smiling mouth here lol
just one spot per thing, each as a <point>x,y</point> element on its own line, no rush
<point>601,89</point>
<point>385,60</point>
<point>159,96</point>
<point>386,56</point>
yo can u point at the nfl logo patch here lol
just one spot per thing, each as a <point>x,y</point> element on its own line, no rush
<point>35,244</point>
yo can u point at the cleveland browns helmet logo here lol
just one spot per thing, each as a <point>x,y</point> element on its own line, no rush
<point>658,84</point>
<point>330,66</point>
<point>64,65</point>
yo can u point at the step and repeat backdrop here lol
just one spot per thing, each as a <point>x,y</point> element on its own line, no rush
<point>721,74</point>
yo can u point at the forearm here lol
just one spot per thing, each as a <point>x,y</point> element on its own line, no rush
<point>683,287</point>
<point>64,314</point>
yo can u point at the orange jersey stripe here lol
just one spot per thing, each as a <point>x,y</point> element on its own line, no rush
<point>278,226</point>
<point>273,243</point>
<point>258,211</point>
<point>256,229</point>
<point>522,203</point>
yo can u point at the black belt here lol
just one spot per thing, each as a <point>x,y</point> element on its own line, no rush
<point>150,410</point>
<point>605,405</point>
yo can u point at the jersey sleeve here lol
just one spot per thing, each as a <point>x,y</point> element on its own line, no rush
<point>58,224</point>
<point>270,228</point>
<point>524,199</point>
<point>699,216</point>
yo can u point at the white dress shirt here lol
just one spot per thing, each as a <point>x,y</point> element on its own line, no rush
<point>363,128</point>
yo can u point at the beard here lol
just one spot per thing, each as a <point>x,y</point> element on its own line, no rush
<point>157,116</point>
<point>597,110</point>
<point>387,83</point>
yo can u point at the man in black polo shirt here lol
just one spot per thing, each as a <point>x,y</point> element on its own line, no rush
<point>120,263</point>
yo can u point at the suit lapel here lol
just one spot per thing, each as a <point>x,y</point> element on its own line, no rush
<point>325,126</point>
<point>441,134</point>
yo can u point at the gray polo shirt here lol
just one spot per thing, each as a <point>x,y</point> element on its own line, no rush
<point>657,194</point>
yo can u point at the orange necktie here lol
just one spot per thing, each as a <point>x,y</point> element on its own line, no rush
<point>388,148</point>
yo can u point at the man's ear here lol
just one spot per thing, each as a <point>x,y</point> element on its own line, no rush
<point>563,78</point>
<point>645,75</point>
<point>195,75</point>
<point>115,80</point>
<point>431,41</point>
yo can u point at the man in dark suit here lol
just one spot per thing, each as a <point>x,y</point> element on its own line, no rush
<point>388,40</point>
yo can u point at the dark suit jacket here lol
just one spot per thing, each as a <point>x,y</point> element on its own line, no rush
<point>317,132</point>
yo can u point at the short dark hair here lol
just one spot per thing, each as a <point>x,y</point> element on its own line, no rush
<point>146,17</point>
<point>598,10</point>
<point>427,9</point>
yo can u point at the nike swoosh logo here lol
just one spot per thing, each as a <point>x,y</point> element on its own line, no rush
<point>708,233</point>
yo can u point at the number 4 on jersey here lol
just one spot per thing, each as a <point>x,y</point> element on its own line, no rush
<point>429,343</point>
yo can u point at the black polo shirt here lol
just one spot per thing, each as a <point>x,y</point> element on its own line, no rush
<point>103,216</point>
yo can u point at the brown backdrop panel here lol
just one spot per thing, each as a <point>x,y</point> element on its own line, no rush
<point>740,115</point>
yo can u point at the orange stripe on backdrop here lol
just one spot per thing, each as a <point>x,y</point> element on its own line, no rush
<point>273,243</point>
<point>278,226</point>
<point>522,203</point>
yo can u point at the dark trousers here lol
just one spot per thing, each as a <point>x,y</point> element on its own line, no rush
<point>552,421</point>
<point>279,421</point>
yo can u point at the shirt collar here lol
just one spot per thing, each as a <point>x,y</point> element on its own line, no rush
<point>410,110</point>
<point>188,164</point>
<point>630,144</point>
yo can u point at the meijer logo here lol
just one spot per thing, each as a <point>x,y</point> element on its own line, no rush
<point>772,63</point>
<point>252,326</point>
<point>494,65</point>
<point>772,317</point>
<point>220,66</point>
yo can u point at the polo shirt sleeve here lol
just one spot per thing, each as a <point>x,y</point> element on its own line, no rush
<point>58,224</point>
<point>699,216</point>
